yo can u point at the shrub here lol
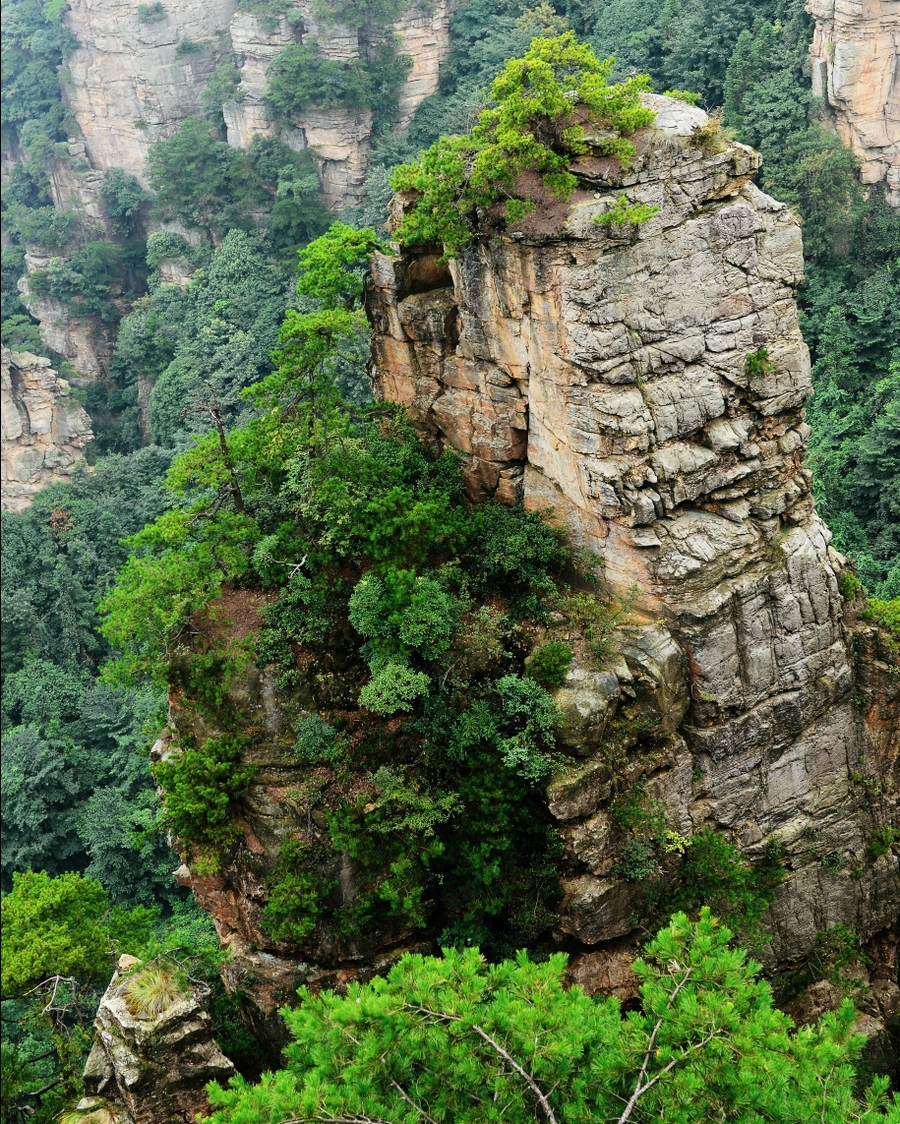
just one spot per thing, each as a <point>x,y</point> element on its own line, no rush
<point>849,585</point>
<point>200,787</point>
<point>152,990</point>
<point>623,213</point>
<point>758,363</point>
<point>882,840</point>
<point>125,198</point>
<point>549,664</point>
<point>884,613</point>
<point>319,742</point>
<point>437,1038</point>
<point>295,890</point>
<point>151,13</point>
<point>682,95</point>
<point>187,47</point>
<point>394,687</point>
<point>53,926</point>
<point>166,244</point>
<point>638,860</point>
<point>533,127</point>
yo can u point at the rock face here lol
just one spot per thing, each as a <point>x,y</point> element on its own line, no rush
<point>133,80</point>
<point>151,1068</point>
<point>340,136</point>
<point>44,429</point>
<point>646,388</point>
<point>855,68</point>
<point>130,84</point>
<point>84,341</point>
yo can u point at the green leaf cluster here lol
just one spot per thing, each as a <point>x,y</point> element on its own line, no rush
<point>201,785</point>
<point>301,78</point>
<point>542,101</point>
<point>198,178</point>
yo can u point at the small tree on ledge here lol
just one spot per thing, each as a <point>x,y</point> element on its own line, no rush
<point>543,102</point>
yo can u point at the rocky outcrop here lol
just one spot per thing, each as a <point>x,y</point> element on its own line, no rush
<point>341,137</point>
<point>855,69</point>
<point>45,430</point>
<point>84,341</point>
<point>645,387</point>
<point>151,1066</point>
<point>133,80</point>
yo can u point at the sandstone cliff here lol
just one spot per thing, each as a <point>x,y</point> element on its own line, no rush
<point>855,69</point>
<point>647,388</point>
<point>129,86</point>
<point>341,137</point>
<point>44,429</point>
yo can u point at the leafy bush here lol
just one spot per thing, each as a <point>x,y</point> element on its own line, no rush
<point>53,926</point>
<point>151,13</point>
<point>317,741</point>
<point>757,363</point>
<point>165,244</point>
<point>882,840</point>
<point>638,860</point>
<point>533,127</point>
<point>221,89</point>
<point>394,687</point>
<point>125,199</point>
<point>714,871</point>
<point>187,46</point>
<point>300,78</point>
<point>550,663</point>
<point>623,213</point>
<point>201,785</point>
<point>295,890</point>
<point>885,613</point>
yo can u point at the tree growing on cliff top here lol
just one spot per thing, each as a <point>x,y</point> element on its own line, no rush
<point>542,102</point>
<point>457,1040</point>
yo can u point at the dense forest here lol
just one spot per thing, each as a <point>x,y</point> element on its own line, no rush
<point>263,355</point>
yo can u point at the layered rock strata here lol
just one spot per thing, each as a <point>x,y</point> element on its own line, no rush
<point>45,430</point>
<point>341,137</point>
<point>151,1067</point>
<point>646,388</point>
<point>855,69</point>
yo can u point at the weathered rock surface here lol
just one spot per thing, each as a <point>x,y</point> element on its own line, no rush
<point>854,68</point>
<point>151,1068</point>
<point>603,374</point>
<point>84,341</point>
<point>279,806</point>
<point>341,137</point>
<point>44,429</point>
<point>129,85</point>
<point>133,82</point>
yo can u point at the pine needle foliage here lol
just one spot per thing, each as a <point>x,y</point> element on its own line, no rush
<point>542,103</point>
<point>457,1041</point>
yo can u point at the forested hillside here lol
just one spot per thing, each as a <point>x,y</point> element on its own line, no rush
<point>235,423</point>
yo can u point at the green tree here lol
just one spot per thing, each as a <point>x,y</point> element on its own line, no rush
<point>457,1040</point>
<point>534,126</point>
<point>53,926</point>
